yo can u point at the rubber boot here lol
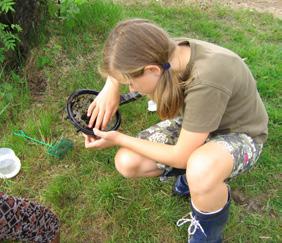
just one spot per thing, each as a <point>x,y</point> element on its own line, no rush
<point>180,187</point>
<point>206,228</point>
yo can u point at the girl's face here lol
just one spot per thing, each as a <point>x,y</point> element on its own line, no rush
<point>146,83</point>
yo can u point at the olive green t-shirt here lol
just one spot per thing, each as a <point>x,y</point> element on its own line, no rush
<point>221,94</point>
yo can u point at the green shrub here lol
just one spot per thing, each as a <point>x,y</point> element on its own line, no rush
<point>8,32</point>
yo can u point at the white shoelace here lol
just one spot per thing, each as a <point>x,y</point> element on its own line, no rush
<point>194,224</point>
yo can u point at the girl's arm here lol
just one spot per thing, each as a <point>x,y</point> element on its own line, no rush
<point>172,155</point>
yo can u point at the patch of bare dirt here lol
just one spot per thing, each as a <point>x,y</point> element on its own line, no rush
<point>271,6</point>
<point>36,81</point>
<point>256,204</point>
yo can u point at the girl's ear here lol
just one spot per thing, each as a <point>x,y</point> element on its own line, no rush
<point>153,69</point>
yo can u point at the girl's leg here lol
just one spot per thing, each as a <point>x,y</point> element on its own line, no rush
<point>207,169</point>
<point>222,157</point>
<point>132,165</point>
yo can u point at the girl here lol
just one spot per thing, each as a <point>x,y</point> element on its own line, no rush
<point>214,124</point>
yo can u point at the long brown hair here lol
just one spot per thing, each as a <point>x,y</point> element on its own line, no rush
<point>136,43</point>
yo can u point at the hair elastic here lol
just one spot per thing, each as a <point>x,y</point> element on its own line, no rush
<point>166,66</point>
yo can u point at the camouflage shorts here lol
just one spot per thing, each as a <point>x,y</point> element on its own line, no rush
<point>243,148</point>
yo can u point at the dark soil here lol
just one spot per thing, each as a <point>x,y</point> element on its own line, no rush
<point>36,80</point>
<point>256,204</point>
<point>80,105</point>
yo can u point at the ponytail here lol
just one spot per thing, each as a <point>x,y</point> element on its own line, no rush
<point>168,95</point>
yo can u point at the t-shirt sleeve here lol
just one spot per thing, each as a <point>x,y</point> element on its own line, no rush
<point>204,108</point>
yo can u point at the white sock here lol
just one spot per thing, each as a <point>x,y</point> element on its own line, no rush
<point>216,211</point>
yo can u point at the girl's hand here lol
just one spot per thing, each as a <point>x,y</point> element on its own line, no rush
<point>103,108</point>
<point>101,140</point>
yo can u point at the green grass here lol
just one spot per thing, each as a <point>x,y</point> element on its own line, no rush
<point>14,95</point>
<point>93,202</point>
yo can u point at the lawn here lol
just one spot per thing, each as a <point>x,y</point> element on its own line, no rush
<point>94,202</point>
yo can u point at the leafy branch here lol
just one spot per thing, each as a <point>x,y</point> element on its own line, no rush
<point>8,32</point>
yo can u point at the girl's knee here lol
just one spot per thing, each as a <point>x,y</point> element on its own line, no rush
<point>201,171</point>
<point>126,163</point>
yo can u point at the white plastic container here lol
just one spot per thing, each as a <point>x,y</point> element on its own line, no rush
<point>10,164</point>
<point>6,152</point>
<point>152,106</point>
